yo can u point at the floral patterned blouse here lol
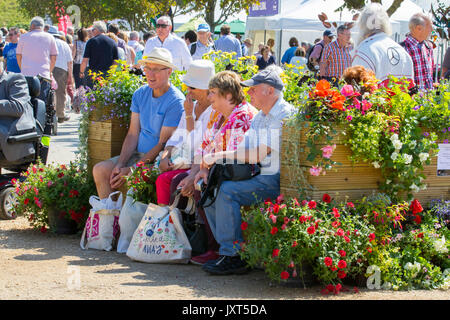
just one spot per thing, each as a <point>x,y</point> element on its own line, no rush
<point>230,134</point>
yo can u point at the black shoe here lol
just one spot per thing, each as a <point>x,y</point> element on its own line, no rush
<point>226,265</point>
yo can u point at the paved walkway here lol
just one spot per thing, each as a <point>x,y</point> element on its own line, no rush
<point>63,147</point>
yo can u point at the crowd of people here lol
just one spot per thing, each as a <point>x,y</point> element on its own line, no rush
<point>213,122</point>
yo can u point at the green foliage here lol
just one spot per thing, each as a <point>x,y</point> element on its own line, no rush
<point>12,16</point>
<point>141,181</point>
<point>65,188</point>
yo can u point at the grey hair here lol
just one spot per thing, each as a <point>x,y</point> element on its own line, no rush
<point>418,19</point>
<point>37,22</point>
<point>100,26</point>
<point>166,19</point>
<point>278,70</point>
<point>134,35</point>
<point>373,19</point>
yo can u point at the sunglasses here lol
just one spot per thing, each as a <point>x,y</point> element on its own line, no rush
<point>192,88</point>
<point>161,25</point>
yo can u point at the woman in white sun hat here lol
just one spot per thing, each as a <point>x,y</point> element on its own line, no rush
<point>178,154</point>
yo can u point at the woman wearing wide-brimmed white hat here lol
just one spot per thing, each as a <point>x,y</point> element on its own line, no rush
<point>178,155</point>
<point>156,109</point>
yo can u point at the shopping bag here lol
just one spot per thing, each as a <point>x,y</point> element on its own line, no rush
<point>102,225</point>
<point>129,219</point>
<point>160,237</point>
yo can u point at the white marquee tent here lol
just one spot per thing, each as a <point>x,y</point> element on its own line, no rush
<point>299,18</point>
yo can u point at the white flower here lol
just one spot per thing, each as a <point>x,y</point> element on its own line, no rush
<point>414,188</point>
<point>413,144</point>
<point>408,266</point>
<point>408,158</point>
<point>388,181</point>
<point>440,246</point>
<point>394,137</point>
<point>376,165</point>
<point>423,156</point>
<point>394,155</point>
<point>397,144</point>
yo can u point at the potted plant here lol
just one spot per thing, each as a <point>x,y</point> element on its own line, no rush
<point>55,197</point>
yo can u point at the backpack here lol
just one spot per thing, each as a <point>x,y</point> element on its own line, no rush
<point>309,64</point>
<point>194,48</point>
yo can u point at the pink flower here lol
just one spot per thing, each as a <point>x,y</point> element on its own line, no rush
<point>356,103</point>
<point>274,218</point>
<point>315,171</point>
<point>349,118</point>
<point>49,184</point>
<point>327,151</point>
<point>347,91</point>
<point>366,105</point>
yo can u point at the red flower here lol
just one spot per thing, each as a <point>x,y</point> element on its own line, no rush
<point>43,229</point>
<point>420,235</point>
<point>418,219</point>
<point>347,239</point>
<point>326,198</point>
<point>276,208</point>
<point>274,230</point>
<point>312,204</point>
<point>284,275</point>
<point>294,244</point>
<point>371,236</point>
<point>280,199</point>
<point>302,219</point>
<point>350,205</point>
<point>311,230</point>
<point>341,274</point>
<point>25,202</point>
<point>416,207</point>
<point>333,268</point>
<point>369,249</point>
<point>342,264</point>
<point>342,253</point>
<point>330,288</point>
<point>275,253</point>
<point>335,224</point>
<point>244,226</point>
<point>336,213</point>
<point>338,288</point>
<point>60,175</point>
<point>340,232</point>
<point>328,261</point>
<point>304,203</point>
<point>296,202</point>
<point>291,265</point>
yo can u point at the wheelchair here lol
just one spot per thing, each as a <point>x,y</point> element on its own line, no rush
<point>44,115</point>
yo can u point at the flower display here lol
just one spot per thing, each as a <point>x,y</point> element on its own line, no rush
<point>141,181</point>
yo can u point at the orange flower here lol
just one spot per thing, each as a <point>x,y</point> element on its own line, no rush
<point>323,85</point>
<point>338,105</point>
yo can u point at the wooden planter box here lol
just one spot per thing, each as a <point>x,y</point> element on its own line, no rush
<point>105,139</point>
<point>344,182</point>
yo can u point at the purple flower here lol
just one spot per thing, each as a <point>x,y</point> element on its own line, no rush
<point>445,141</point>
<point>426,134</point>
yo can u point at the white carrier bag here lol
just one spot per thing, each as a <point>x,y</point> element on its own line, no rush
<point>102,225</point>
<point>160,237</point>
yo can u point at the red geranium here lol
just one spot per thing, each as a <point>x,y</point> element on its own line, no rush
<point>312,204</point>
<point>244,226</point>
<point>275,253</point>
<point>372,237</point>
<point>340,232</point>
<point>274,230</point>
<point>341,274</point>
<point>342,264</point>
<point>418,219</point>
<point>311,230</point>
<point>342,253</point>
<point>284,275</point>
<point>294,244</point>
<point>302,219</point>
<point>328,261</point>
<point>416,207</point>
<point>326,198</point>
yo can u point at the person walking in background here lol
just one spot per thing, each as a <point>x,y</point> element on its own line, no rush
<point>36,54</point>
<point>317,50</point>
<point>136,45</point>
<point>61,72</point>
<point>421,50</point>
<point>271,44</point>
<point>165,39</point>
<point>70,81</point>
<point>9,51</point>
<point>257,54</point>
<point>299,59</point>
<point>190,37</point>
<point>227,42</point>
<point>77,54</point>
<point>114,28</point>
<point>246,46</point>
<point>130,54</point>
<point>377,51</point>
<point>203,45</point>
<point>336,56</point>
<point>290,53</point>
<point>265,59</point>
<point>100,52</point>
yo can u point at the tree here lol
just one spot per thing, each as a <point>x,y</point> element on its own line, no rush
<point>206,9</point>
<point>10,15</point>
<point>359,4</point>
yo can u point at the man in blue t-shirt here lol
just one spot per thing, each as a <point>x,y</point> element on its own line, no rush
<point>9,52</point>
<point>156,109</point>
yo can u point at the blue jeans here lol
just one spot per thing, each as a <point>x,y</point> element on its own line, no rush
<point>224,216</point>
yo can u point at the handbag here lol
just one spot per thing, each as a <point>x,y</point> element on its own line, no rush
<point>102,225</point>
<point>221,172</point>
<point>160,237</point>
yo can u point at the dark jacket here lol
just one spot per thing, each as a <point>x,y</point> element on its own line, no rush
<point>16,115</point>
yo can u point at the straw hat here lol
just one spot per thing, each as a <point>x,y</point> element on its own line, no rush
<point>160,56</point>
<point>199,73</point>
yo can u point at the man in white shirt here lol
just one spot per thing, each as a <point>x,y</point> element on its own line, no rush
<point>202,45</point>
<point>377,51</point>
<point>164,39</point>
<point>62,72</point>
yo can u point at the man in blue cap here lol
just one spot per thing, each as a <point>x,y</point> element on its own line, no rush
<point>203,45</point>
<point>316,51</point>
<point>261,144</point>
